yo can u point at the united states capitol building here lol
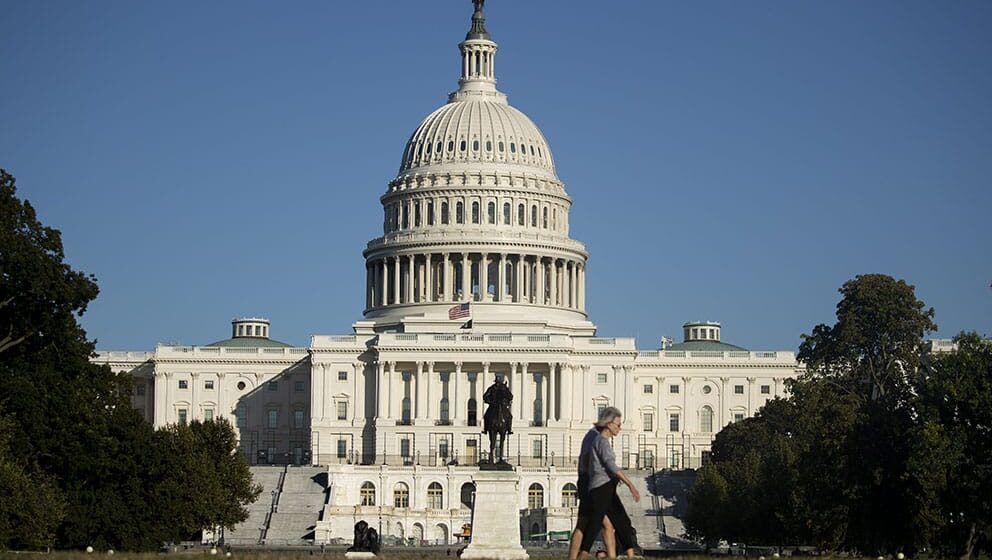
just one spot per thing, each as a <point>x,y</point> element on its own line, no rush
<point>474,278</point>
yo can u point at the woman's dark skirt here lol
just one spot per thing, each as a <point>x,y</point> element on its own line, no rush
<point>602,501</point>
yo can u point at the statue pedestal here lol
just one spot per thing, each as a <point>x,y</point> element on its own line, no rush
<point>496,518</point>
<point>352,555</point>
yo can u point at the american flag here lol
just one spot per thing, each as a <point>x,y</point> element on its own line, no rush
<point>459,311</point>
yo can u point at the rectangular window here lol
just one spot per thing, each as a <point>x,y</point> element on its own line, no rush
<point>273,419</point>
<point>342,376</point>
<point>241,414</point>
<point>183,416</point>
<point>537,448</point>
<point>342,410</point>
<point>272,455</point>
<point>738,416</point>
<point>342,448</point>
<point>673,422</point>
<point>405,447</point>
<point>208,415</point>
<point>299,386</point>
<point>766,389</point>
<point>299,418</point>
<point>648,389</point>
<point>738,389</point>
<point>183,384</point>
<point>139,389</point>
<point>442,449</point>
<point>208,384</point>
<point>673,389</point>
<point>648,422</point>
<point>273,385</point>
<point>600,378</point>
<point>706,458</point>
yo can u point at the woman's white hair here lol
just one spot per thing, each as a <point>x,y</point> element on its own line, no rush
<point>607,415</point>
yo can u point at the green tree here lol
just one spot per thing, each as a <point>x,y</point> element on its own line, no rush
<point>955,448</point>
<point>31,507</point>
<point>706,517</point>
<point>872,354</point>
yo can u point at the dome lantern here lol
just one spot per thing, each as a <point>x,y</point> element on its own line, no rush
<point>478,57</point>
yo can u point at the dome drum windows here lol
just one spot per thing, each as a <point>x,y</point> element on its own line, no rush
<point>475,212</point>
<point>506,213</point>
<point>491,213</point>
<point>459,212</point>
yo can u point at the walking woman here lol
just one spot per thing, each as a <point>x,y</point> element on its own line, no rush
<point>599,504</point>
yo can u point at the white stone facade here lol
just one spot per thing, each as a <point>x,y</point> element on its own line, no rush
<point>475,215</point>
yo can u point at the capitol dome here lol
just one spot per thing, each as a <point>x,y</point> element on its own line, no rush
<point>476,216</point>
<point>467,130</point>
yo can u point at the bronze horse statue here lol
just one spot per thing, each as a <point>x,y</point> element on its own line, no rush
<point>498,419</point>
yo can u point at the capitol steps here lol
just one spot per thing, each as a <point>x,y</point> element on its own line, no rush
<point>672,490</point>
<point>643,514</point>
<point>298,506</point>
<point>251,530</point>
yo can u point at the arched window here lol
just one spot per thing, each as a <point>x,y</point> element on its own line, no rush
<point>533,216</point>
<point>506,213</point>
<point>475,212</point>
<point>368,494</point>
<point>544,223</point>
<point>406,217</point>
<point>444,212</point>
<point>401,495</point>
<point>473,412</point>
<point>430,212</point>
<point>451,145</point>
<point>554,218</point>
<point>461,146</point>
<point>535,496</point>
<point>706,419</point>
<point>491,214</point>
<point>416,214</point>
<point>475,145</point>
<point>459,212</point>
<point>501,147</point>
<point>435,496</point>
<point>467,494</point>
<point>513,148</point>
<point>520,215</point>
<point>489,145</point>
<point>568,494</point>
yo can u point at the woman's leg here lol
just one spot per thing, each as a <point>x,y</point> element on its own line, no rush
<point>609,538</point>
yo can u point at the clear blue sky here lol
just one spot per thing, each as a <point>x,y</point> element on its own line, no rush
<point>730,161</point>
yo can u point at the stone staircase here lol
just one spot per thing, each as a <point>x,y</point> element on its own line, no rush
<point>252,530</point>
<point>298,506</point>
<point>643,514</point>
<point>671,489</point>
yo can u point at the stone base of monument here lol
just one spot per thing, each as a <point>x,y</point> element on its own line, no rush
<point>496,518</point>
<point>352,555</point>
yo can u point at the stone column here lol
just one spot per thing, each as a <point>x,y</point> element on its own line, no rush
<point>396,280</point>
<point>539,291</point>
<point>358,369</point>
<point>429,393</point>
<point>582,287</point>
<point>317,375</point>
<point>526,407</point>
<point>484,276</point>
<point>685,407</point>
<point>501,278</point>
<point>466,278</point>
<point>446,278</point>
<point>384,283</point>
<point>553,281</point>
<point>454,399</point>
<point>429,277</point>
<point>391,392</point>
<point>409,278</point>
<point>552,394</point>
<point>586,397</point>
<point>381,386</point>
<point>418,405</point>
<point>194,406</point>
<point>163,382</point>
<point>518,273</point>
<point>566,393</point>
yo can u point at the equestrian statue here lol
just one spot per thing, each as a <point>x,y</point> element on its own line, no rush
<point>497,420</point>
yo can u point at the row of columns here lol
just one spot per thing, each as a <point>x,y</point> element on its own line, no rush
<point>517,278</point>
<point>427,390</point>
<point>477,61</point>
<point>419,212</point>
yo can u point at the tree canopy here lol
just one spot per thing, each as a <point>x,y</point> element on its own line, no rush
<point>881,447</point>
<point>70,442</point>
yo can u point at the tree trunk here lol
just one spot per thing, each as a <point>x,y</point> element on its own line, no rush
<point>969,545</point>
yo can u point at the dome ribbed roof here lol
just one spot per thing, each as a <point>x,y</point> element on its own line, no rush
<point>477,130</point>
